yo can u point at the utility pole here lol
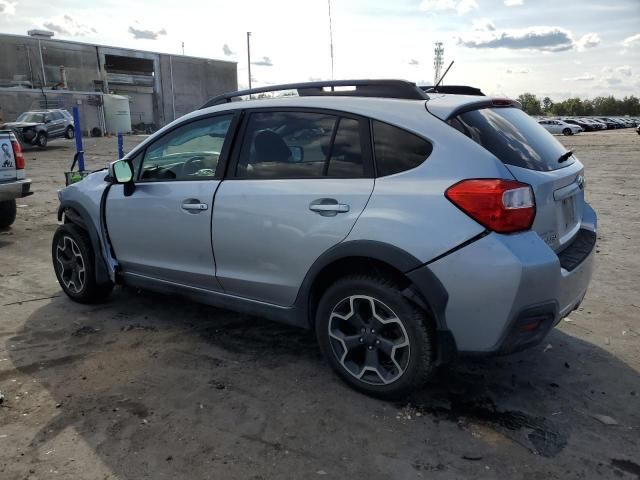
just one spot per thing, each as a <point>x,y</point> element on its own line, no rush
<point>330,38</point>
<point>182,48</point>
<point>249,56</point>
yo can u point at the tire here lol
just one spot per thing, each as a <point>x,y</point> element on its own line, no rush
<point>403,323</point>
<point>7,213</point>
<point>567,131</point>
<point>73,262</point>
<point>41,140</point>
<point>69,133</point>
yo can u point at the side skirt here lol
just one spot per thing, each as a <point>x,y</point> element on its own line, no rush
<point>277,313</point>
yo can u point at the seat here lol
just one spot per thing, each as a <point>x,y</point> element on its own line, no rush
<point>269,147</point>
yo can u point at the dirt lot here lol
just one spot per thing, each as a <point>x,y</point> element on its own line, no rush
<point>152,387</point>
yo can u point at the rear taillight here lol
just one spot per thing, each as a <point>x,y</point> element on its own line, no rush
<point>504,206</point>
<point>17,153</point>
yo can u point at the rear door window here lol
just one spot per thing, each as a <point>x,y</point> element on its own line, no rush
<point>397,150</point>
<point>301,144</point>
<point>513,137</point>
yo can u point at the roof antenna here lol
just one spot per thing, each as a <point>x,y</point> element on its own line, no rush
<point>435,87</point>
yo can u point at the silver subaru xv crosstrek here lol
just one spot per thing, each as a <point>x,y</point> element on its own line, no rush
<point>406,227</point>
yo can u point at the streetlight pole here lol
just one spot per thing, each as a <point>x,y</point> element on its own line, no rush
<point>330,38</point>
<point>249,56</point>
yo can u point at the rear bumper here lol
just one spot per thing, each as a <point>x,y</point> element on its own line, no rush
<point>505,292</point>
<point>15,189</point>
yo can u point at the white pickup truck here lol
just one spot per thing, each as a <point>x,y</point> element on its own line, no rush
<point>13,183</point>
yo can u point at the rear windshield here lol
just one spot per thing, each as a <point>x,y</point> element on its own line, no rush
<point>514,137</point>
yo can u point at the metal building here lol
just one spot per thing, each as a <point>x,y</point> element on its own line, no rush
<point>37,71</point>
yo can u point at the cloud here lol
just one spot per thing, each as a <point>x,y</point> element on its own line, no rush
<point>518,71</point>
<point>465,6</point>
<point>585,77</point>
<point>7,7</point>
<point>263,62</point>
<point>624,70</point>
<point>227,50</point>
<point>542,38</point>
<point>54,27</point>
<point>513,3</point>
<point>632,40</point>
<point>146,34</point>
<point>589,40</point>
<point>413,61</point>
<point>460,6</point>
<point>613,81</point>
<point>67,26</point>
<point>483,25</point>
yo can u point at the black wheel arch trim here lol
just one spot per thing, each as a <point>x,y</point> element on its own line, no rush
<point>78,215</point>
<point>427,291</point>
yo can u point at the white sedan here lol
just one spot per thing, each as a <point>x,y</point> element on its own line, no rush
<point>560,127</point>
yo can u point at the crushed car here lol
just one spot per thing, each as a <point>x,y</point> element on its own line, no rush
<point>37,127</point>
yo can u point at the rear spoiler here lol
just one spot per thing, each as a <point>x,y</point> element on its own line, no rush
<point>445,113</point>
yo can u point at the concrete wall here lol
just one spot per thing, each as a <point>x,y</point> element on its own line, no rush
<point>193,82</point>
<point>80,62</point>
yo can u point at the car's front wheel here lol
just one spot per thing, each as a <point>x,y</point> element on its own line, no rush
<point>374,338</point>
<point>567,131</point>
<point>69,132</point>
<point>41,140</point>
<point>73,262</point>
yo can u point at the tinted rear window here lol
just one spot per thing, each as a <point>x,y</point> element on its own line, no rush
<point>512,136</point>
<point>397,150</point>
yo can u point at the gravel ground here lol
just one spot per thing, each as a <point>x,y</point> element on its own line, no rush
<point>145,386</point>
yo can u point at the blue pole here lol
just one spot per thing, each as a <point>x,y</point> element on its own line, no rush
<point>120,146</point>
<point>78,137</point>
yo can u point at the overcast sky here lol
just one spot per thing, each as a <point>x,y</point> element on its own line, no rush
<point>558,48</point>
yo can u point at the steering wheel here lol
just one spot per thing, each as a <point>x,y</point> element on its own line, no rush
<point>192,165</point>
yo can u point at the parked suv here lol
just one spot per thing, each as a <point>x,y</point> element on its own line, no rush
<point>404,227</point>
<point>37,127</point>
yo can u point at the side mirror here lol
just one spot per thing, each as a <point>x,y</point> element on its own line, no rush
<point>47,119</point>
<point>121,172</point>
<point>297,154</point>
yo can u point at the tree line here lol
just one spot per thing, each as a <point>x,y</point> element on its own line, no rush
<point>605,106</point>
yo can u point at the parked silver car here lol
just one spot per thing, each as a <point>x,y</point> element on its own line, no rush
<point>404,227</point>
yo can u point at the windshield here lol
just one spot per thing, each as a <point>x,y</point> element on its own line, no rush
<point>514,137</point>
<point>31,117</point>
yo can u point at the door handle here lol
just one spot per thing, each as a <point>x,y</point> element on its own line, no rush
<point>328,207</point>
<point>194,206</point>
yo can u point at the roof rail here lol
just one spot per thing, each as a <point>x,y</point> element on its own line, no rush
<point>362,88</point>
<point>453,89</point>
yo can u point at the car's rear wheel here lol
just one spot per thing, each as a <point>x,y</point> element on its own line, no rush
<point>41,140</point>
<point>567,131</point>
<point>374,338</point>
<point>69,132</point>
<point>7,213</point>
<point>73,261</point>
